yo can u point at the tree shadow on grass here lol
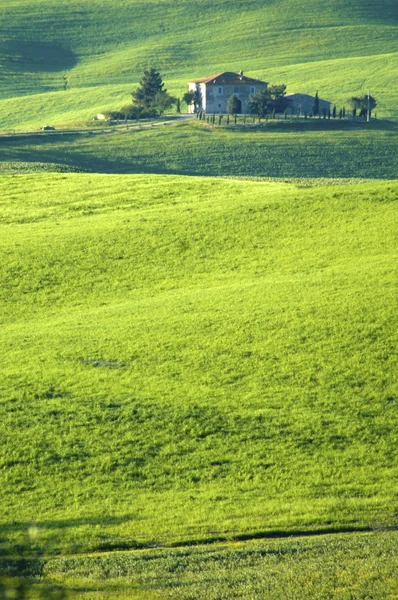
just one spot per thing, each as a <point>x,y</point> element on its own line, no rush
<point>36,56</point>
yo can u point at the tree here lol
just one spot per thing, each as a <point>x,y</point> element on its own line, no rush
<point>315,108</point>
<point>150,92</point>
<point>162,102</point>
<point>277,95</point>
<point>260,103</point>
<point>361,103</point>
<point>334,111</point>
<point>191,97</point>
<point>234,105</point>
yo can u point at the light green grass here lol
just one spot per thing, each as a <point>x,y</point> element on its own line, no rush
<point>98,51</point>
<point>187,359</point>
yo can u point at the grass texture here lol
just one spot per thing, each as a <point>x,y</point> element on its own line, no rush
<point>188,359</point>
<point>317,149</point>
<point>66,61</point>
<point>324,567</point>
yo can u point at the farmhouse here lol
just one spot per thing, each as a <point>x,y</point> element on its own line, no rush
<point>215,91</point>
<point>304,103</point>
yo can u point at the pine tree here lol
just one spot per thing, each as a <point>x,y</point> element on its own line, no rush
<point>150,86</point>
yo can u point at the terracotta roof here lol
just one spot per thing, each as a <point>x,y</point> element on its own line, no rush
<point>227,77</point>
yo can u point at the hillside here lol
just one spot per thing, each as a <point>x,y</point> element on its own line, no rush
<point>330,149</point>
<point>191,359</point>
<point>73,59</point>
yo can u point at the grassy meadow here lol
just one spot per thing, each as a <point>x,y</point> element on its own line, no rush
<point>64,62</point>
<point>198,325</point>
<point>189,359</point>
<point>323,567</point>
<point>284,149</point>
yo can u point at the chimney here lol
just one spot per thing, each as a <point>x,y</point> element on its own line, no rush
<point>241,73</point>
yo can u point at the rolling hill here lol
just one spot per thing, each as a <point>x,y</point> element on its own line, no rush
<point>71,60</point>
<point>198,323</point>
<point>192,358</point>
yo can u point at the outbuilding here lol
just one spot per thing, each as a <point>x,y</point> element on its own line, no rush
<point>301,104</point>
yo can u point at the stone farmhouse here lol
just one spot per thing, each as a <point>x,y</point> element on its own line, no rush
<point>215,91</point>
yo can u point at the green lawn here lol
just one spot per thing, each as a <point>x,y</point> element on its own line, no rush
<point>66,61</point>
<point>192,358</point>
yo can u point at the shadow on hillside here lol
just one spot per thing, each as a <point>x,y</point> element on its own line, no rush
<point>37,56</point>
<point>206,152</point>
<point>312,125</point>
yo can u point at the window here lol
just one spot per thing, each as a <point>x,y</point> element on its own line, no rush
<point>236,90</point>
<point>252,90</point>
<point>220,91</point>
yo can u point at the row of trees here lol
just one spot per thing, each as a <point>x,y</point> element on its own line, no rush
<point>151,99</point>
<point>273,101</point>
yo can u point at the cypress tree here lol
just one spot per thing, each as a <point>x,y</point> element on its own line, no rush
<point>234,105</point>
<point>315,108</point>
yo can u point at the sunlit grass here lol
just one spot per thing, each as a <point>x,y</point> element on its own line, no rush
<point>193,358</point>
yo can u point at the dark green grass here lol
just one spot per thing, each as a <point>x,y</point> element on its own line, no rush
<point>188,359</point>
<point>322,567</point>
<point>340,149</point>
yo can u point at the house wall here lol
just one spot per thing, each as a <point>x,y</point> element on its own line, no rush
<point>217,96</point>
<point>212,101</point>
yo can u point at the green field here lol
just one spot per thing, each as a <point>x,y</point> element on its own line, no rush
<point>323,567</point>
<point>199,378</point>
<point>318,149</point>
<point>64,62</point>
<point>189,359</point>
